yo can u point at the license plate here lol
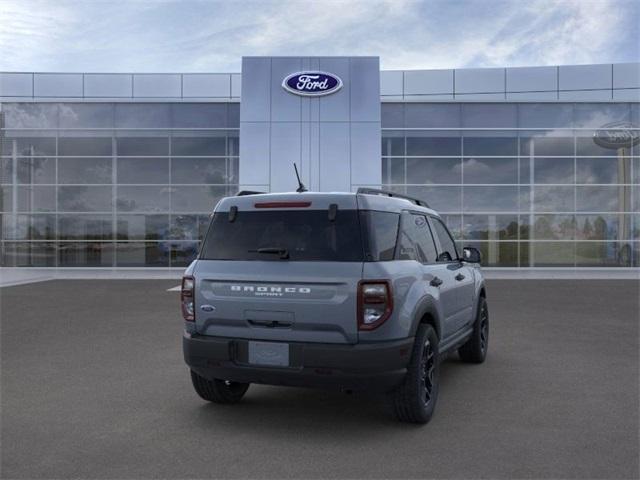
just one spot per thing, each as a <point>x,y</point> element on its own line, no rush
<point>269,353</point>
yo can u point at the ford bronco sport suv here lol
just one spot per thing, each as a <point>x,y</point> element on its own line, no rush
<point>355,291</point>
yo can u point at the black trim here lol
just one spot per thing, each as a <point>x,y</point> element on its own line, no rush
<point>387,193</point>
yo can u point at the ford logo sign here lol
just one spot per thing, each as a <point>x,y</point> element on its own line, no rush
<point>312,84</point>
<point>617,135</point>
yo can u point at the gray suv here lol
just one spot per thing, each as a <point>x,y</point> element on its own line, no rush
<point>355,291</point>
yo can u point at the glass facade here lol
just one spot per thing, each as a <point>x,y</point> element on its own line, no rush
<point>133,184</point>
<point>524,183</point>
<point>112,184</point>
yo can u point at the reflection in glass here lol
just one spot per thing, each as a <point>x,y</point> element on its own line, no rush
<point>183,253</point>
<point>91,254</point>
<point>553,199</point>
<point>32,146</point>
<point>454,224</point>
<point>84,199</point>
<point>143,199</point>
<point>490,227</point>
<point>143,227</point>
<point>84,170</point>
<point>198,146</point>
<point>393,170</point>
<point>86,115</point>
<point>540,145</point>
<point>130,254</point>
<point>554,227</point>
<point>198,199</point>
<point>143,170</point>
<point>418,145</point>
<point>432,115</point>
<point>6,171</point>
<point>36,199</point>
<point>553,170</point>
<point>30,115</point>
<point>603,170</point>
<point>200,115</point>
<point>143,146</point>
<point>142,115</point>
<point>490,145</point>
<point>604,227</point>
<point>392,144</point>
<point>85,227</point>
<point>491,199</point>
<point>545,115</point>
<point>596,115</point>
<point>392,115</point>
<point>442,199</point>
<point>433,170</point>
<point>199,170</point>
<point>36,170</point>
<point>37,254</point>
<point>552,254</point>
<point>496,254</point>
<point>604,254</point>
<point>490,170</point>
<point>603,198</point>
<point>28,227</point>
<point>84,146</point>
<point>489,115</point>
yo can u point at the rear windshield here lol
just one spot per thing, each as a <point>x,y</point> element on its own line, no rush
<point>293,235</point>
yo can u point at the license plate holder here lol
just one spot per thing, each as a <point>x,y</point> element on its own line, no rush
<point>273,354</point>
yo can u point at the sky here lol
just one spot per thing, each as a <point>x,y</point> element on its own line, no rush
<point>212,36</point>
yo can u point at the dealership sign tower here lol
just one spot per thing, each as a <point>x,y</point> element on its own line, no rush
<point>322,113</point>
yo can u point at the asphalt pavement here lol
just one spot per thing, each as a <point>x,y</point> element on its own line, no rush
<point>93,385</point>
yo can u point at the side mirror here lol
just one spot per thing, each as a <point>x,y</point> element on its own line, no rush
<point>471,255</point>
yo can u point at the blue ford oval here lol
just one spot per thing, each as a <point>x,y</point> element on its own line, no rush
<point>312,84</point>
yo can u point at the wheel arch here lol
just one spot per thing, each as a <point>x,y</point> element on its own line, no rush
<point>427,313</point>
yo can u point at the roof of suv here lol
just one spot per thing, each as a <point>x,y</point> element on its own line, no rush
<point>320,201</point>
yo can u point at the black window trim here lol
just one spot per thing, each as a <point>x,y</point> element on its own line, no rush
<point>433,218</point>
<point>433,237</point>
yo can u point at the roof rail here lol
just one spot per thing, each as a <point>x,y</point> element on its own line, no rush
<point>242,193</point>
<point>386,193</point>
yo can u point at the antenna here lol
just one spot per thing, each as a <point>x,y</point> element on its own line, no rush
<point>301,188</point>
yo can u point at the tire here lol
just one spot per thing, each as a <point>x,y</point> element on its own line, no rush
<point>414,401</point>
<point>218,391</point>
<point>475,349</point>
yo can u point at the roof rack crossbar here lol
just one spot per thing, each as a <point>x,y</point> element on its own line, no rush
<point>376,191</point>
<point>242,193</point>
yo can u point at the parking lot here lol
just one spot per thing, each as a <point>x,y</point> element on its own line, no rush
<point>94,386</point>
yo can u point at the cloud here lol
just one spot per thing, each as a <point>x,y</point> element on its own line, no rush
<point>202,35</point>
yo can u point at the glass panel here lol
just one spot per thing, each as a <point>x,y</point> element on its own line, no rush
<point>142,254</point>
<point>490,199</point>
<point>94,254</point>
<point>447,245</point>
<point>427,144</point>
<point>379,232</point>
<point>199,115</point>
<point>635,229</point>
<point>552,254</point>
<point>393,171</point>
<point>392,115</point>
<point>189,227</point>
<point>490,170</point>
<point>598,114</point>
<point>143,227</point>
<point>434,170</point>
<point>603,199</point>
<point>83,115</point>
<point>6,170</point>
<point>604,227</point>
<point>432,115</point>
<point>143,146</point>
<point>586,146</point>
<point>85,227</point>
<point>198,146</point>
<point>31,146</point>
<point>143,199</point>
<point>539,144</point>
<point>554,227</point>
<point>28,227</point>
<point>497,254</point>
<point>490,227</point>
<point>84,199</point>
<point>392,143</point>
<point>6,199</point>
<point>199,170</point>
<point>490,146</point>
<point>36,170</point>
<point>489,115</point>
<point>454,224</point>
<point>636,169</point>
<point>143,170</point>
<point>545,115</point>
<point>233,115</point>
<point>183,253</point>
<point>30,115</point>
<point>603,254</point>
<point>553,199</point>
<point>37,254</point>
<point>197,199</point>
<point>36,199</point>
<point>142,115</point>
<point>603,170</point>
<point>442,199</point>
<point>84,146</point>
<point>553,170</point>
<point>84,170</point>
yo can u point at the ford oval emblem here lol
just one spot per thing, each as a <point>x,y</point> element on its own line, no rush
<point>617,135</point>
<point>207,308</point>
<point>312,84</point>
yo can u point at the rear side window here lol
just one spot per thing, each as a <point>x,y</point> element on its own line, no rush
<point>303,235</point>
<point>415,241</point>
<point>380,231</point>
<point>448,251</point>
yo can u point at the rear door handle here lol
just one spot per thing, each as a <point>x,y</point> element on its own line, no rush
<point>436,282</point>
<point>459,277</point>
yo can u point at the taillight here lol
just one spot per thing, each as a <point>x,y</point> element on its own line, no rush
<point>375,303</point>
<point>187,298</point>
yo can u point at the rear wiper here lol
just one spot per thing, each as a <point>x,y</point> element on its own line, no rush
<point>283,252</point>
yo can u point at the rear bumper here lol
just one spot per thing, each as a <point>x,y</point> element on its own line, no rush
<point>361,367</point>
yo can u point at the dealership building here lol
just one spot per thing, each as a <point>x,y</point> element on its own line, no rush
<point>537,167</point>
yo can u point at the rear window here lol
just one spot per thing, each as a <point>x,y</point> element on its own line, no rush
<point>381,232</point>
<point>292,235</point>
